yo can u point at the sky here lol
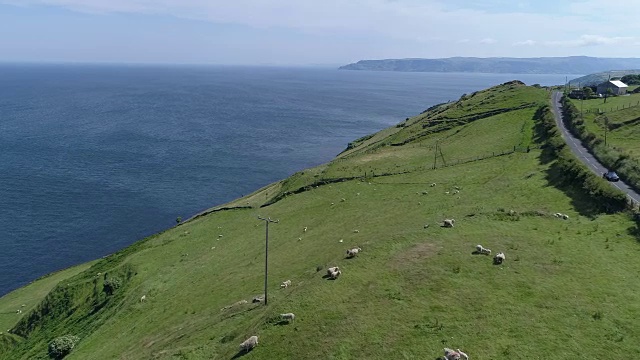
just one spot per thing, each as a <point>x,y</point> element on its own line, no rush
<point>306,32</point>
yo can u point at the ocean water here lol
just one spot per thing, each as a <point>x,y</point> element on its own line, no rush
<point>93,158</point>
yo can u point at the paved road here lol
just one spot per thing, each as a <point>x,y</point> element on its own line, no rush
<point>582,153</point>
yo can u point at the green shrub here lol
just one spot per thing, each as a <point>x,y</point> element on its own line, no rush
<point>62,346</point>
<point>111,285</point>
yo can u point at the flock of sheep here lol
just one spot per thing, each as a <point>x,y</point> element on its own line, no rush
<point>334,272</point>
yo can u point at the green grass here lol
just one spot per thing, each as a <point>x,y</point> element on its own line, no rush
<point>566,288</point>
<point>30,295</point>
<point>624,135</point>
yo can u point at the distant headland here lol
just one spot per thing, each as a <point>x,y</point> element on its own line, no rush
<point>541,65</point>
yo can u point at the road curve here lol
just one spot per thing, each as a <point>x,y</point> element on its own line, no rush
<point>582,153</point>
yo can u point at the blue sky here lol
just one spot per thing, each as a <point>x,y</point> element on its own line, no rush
<point>306,32</point>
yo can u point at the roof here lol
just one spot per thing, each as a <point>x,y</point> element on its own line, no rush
<point>618,83</point>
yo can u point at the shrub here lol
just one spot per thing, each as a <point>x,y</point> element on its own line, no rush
<point>62,346</point>
<point>111,285</point>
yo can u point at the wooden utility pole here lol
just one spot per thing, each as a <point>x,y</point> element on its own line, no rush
<point>266,253</point>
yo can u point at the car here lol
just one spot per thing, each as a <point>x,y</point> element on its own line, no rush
<point>611,176</point>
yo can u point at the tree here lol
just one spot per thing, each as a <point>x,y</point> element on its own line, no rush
<point>588,93</point>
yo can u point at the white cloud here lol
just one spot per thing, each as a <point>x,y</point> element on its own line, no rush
<point>488,41</point>
<point>525,43</point>
<point>592,40</point>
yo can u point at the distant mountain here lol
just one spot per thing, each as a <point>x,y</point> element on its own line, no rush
<point>595,79</point>
<point>541,65</point>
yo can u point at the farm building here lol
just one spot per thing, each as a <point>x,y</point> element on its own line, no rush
<point>617,87</point>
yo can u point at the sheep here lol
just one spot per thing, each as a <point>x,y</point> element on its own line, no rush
<point>18,311</point>
<point>332,270</point>
<point>343,200</point>
<point>285,284</point>
<point>482,250</point>
<point>450,354</point>
<point>565,216</point>
<point>288,316</point>
<point>448,223</point>
<point>334,275</point>
<point>304,229</point>
<point>249,344</point>
<point>433,184</point>
<point>258,298</point>
<point>499,258</point>
<point>353,252</point>
<point>143,298</point>
<point>23,305</point>
<point>356,231</point>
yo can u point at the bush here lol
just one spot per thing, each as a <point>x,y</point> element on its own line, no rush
<point>111,285</point>
<point>62,346</point>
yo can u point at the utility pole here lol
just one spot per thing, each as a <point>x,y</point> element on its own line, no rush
<point>606,127</point>
<point>435,156</point>
<point>266,253</point>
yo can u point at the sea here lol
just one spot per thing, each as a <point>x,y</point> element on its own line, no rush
<point>96,157</point>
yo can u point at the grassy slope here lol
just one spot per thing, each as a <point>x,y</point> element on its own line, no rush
<point>567,287</point>
<point>624,137</point>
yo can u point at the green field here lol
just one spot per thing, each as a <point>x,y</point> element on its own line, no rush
<point>623,116</point>
<point>567,288</point>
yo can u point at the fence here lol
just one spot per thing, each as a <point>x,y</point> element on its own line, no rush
<point>612,108</point>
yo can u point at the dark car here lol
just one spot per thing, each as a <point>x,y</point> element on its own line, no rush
<point>611,176</point>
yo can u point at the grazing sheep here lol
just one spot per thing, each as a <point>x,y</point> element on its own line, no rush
<point>285,284</point>
<point>483,250</point>
<point>305,229</point>
<point>450,354</point>
<point>499,258</point>
<point>343,200</point>
<point>143,298</point>
<point>357,194</point>
<point>356,231</point>
<point>334,275</point>
<point>332,270</point>
<point>249,344</point>
<point>258,298</point>
<point>288,316</point>
<point>353,252</point>
<point>18,311</point>
<point>340,240</point>
<point>23,305</point>
<point>565,216</point>
<point>448,223</point>
<point>433,184</point>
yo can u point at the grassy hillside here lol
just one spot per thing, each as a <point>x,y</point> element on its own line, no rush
<point>567,286</point>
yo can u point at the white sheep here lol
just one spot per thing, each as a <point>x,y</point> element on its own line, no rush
<point>305,229</point>
<point>143,298</point>
<point>433,184</point>
<point>499,258</point>
<point>288,316</point>
<point>258,298</point>
<point>450,354</point>
<point>353,252</point>
<point>343,200</point>
<point>448,223</point>
<point>332,270</point>
<point>483,250</point>
<point>285,284</point>
<point>18,311</point>
<point>334,275</point>
<point>356,231</point>
<point>249,344</point>
<point>565,216</point>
